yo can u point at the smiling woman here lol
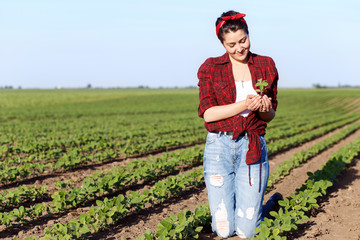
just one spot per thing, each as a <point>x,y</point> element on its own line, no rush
<point>236,165</point>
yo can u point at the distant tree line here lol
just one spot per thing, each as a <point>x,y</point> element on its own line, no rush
<point>8,87</point>
<point>318,85</point>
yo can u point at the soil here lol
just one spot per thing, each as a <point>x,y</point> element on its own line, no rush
<point>298,176</point>
<point>79,174</point>
<point>330,221</point>
<point>338,216</point>
<point>130,229</point>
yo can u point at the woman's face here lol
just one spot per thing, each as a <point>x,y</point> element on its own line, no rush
<point>237,44</point>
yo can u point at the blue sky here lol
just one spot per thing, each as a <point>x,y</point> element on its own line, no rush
<point>44,44</point>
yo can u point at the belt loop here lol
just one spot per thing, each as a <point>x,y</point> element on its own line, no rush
<point>219,134</point>
<point>246,136</point>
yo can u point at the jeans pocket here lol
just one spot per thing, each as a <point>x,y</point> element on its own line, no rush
<point>211,138</point>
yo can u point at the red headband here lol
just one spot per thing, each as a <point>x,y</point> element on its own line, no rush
<point>226,18</point>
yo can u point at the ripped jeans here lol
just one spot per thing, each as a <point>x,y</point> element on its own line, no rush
<point>235,206</point>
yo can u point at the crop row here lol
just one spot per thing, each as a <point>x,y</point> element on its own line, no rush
<point>38,142</point>
<point>293,210</point>
<point>29,144</point>
<point>109,211</point>
<point>74,159</point>
<point>52,151</point>
<point>280,145</point>
<point>166,227</point>
<point>126,102</point>
<point>21,195</point>
<point>293,118</point>
<point>292,115</point>
<point>24,194</point>
<point>51,144</point>
<point>103,183</point>
<point>300,157</point>
<point>287,131</point>
<point>16,199</point>
<point>186,225</point>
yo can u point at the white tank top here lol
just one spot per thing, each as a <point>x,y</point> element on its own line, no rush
<point>242,90</point>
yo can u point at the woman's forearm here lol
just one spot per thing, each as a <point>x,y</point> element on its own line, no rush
<point>217,113</point>
<point>267,116</point>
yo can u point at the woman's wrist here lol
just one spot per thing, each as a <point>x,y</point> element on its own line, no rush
<point>266,116</point>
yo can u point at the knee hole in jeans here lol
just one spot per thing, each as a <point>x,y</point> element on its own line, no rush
<point>222,223</point>
<point>249,213</point>
<point>216,180</point>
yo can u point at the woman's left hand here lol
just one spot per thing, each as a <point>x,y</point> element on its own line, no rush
<point>265,104</point>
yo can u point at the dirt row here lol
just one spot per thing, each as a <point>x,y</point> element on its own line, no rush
<point>133,226</point>
<point>137,225</point>
<point>338,216</point>
<point>78,175</point>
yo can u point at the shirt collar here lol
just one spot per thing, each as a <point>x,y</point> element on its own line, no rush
<point>225,59</point>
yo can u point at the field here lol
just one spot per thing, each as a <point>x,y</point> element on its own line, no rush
<point>127,163</point>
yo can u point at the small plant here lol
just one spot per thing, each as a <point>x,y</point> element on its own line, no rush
<point>261,84</point>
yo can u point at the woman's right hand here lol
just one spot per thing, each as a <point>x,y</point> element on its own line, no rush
<point>253,102</point>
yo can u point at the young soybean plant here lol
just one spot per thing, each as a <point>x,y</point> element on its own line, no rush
<point>261,84</point>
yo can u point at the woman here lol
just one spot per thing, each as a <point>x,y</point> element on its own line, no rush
<point>236,165</point>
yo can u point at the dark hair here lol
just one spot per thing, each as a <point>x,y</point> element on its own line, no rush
<point>230,25</point>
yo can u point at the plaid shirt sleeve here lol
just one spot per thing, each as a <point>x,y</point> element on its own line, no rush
<point>273,90</point>
<point>206,89</point>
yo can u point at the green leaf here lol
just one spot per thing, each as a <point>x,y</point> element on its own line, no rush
<point>84,229</point>
<point>166,224</point>
<point>82,218</point>
<point>286,227</point>
<point>305,218</point>
<point>276,231</point>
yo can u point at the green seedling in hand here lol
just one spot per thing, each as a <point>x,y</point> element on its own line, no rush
<point>261,84</point>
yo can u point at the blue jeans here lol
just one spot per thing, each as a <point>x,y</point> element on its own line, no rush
<point>235,197</point>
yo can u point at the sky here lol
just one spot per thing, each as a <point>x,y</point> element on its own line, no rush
<point>73,43</point>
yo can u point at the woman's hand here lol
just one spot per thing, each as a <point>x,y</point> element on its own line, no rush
<point>265,104</point>
<point>266,112</point>
<point>253,102</point>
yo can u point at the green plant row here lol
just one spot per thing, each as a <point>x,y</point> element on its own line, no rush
<point>300,157</point>
<point>33,151</point>
<point>292,117</point>
<point>189,225</point>
<point>109,211</point>
<point>287,131</point>
<point>186,225</point>
<point>282,170</point>
<point>21,195</point>
<point>36,147</point>
<point>53,147</point>
<point>17,147</point>
<point>293,211</point>
<point>297,159</point>
<point>286,143</point>
<point>110,181</point>
<point>53,151</point>
<point>75,158</point>
<point>107,182</point>
<point>296,121</point>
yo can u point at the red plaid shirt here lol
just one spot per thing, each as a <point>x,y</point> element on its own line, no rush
<point>217,87</point>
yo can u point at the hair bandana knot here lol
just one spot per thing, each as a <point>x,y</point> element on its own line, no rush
<point>227,18</point>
